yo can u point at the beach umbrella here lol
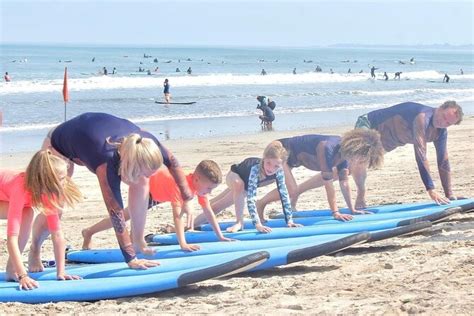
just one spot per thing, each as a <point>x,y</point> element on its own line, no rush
<point>65,92</point>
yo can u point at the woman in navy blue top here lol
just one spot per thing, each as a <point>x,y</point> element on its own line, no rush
<point>117,150</point>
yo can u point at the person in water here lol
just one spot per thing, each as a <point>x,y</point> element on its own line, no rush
<point>294,71</point>
<point>44,186</point>
<point>446,78</point>
<point>417,124</point>
<point>115,150</point>
<point>334,157</point>
<point>385,75</point>
<point>7,77</point>
<point>397,75</point>
<point>166,91</point>
<point>372,72</point>
<point>243,180</point>
<point>267,116</point>
<point>263,73</point>
<point>189,71</point>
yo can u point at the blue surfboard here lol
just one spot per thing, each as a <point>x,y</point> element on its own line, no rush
<point>113,287</point>
<point>340,228</point>
<point>464,204</point>
<point>329,220</point>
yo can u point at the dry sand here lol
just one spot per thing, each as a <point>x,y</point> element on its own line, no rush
<point>431,273</point>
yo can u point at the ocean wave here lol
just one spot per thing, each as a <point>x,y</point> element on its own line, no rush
<point>134,82</point>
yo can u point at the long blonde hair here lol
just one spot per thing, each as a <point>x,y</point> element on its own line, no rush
<point>137,153</point>
<point>363,144</point>
<point>44,184</point>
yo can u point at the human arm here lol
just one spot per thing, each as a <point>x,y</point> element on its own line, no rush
<point>331,198</point>
<point>179,228</point>
<point>444,168</point>
<point>419,145</point>
<point>251,200</point>
<point>211,219</point>
<point>285,199</point>
<point>109,183</point>
<point>343,176</point>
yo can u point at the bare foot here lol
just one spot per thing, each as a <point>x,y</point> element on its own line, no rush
<point>234,228</point>
<point>169,229</point>
<point>87,243</point>
<point>34,261</point>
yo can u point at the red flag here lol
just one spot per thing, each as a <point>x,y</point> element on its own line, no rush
<point>65,90</point>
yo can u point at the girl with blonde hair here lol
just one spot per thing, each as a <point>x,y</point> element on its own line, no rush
<point>115,150</point>
<point>243,180</point>
<point>334,157</point>
<point>44,186</point>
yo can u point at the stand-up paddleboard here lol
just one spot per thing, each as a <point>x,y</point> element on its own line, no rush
<point>210,248</point>
<point>121,269</point>
<point>174,251</point>
<point>329,220</point>
<point>182,103</point>
<point>399,231</point>
<point>276,233</point>
<point>115,287</point>
<point>465,204</point>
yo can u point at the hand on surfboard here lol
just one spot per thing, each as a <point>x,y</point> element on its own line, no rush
<point>263,229</point>
<point>142,264</point>
<point>64,277</point>
<point>291,224</point>
<point>342,217</point>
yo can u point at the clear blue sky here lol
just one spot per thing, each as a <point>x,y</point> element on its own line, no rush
<point>237,23</point>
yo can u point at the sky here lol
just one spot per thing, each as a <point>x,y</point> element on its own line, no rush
<point>237,23</point>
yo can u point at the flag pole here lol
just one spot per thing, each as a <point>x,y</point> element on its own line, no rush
<point>65,92</point>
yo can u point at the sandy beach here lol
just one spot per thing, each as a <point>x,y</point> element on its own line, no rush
<point>428,273</point>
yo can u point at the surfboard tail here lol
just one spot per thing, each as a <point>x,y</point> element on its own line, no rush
<point>399,231</point>
<point>229,268</point>
<point>327,248</point>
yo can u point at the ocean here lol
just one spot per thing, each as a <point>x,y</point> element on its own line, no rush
<point>224,84</point>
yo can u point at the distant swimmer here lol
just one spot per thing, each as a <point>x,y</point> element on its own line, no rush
<point>155,60</point>
<point>7,77</point>
<point>177,70</point>
<point>462,72</point>
<point>385,75</point>
<point>93,59</point>
<point>372,71</point>
<point>263,73</point>
<point>114,71</point>
<point>166,91</point>
<point>446,78</point>
<point>157,69</point>
<point>104,71</point>
<point>148,72</point>
<point>330,71</point>
<point>412,60</point>
<point>401,62</point>
<point>361,71</point>
<point>189,71</point>
<point>349,71</point>
<point>294,71</point>
<point>397,75</point>
<point>318,69</point>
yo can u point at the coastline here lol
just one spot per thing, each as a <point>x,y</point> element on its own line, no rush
<point>428,273</point>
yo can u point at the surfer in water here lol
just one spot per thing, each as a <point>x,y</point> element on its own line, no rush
<point>385,76</point>
<point>446,78</point>
<point>372,72</point>
<point>166,91</point>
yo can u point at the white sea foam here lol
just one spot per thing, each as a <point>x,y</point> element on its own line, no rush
<point>134,82</point>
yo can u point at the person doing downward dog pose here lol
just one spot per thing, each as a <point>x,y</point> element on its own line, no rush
<point>163,188</point>
<point>417,124</point>
<point>116,150</point>
<point>244,179</point>
<point>331,155</point>
<point>46,187</point>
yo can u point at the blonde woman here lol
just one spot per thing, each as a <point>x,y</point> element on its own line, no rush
<point>330,155</point>
<point>44,186</point>
<point>115,150</point>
